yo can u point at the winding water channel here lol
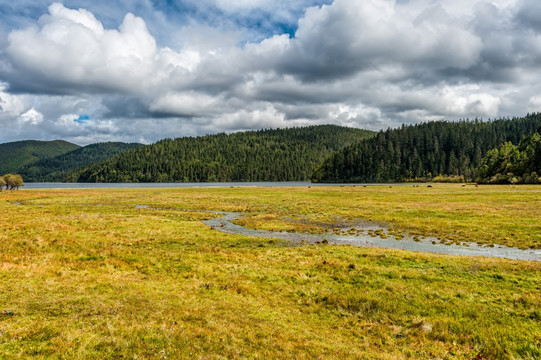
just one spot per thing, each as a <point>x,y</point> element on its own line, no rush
<point>224,223</point>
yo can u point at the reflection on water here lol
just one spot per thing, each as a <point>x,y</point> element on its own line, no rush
<point>224,223</point>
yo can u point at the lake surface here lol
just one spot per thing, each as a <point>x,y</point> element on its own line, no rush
<point>60,185</point>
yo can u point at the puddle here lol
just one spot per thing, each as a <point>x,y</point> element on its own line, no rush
<point>431,245</point>
<point>141,206</point>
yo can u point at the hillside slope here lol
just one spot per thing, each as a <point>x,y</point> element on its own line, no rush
<point>265,155</point>
<point>57,168</point>
<point>424,150</point>
<point>15,155</point>
<point>511,164</point>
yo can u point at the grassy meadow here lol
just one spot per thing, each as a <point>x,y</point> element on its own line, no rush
<point>85,274</point>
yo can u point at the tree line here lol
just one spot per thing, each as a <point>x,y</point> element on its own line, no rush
<point>11,181</point>
<point>426,150</point>
<point>263,155</point>
<point>513,164</point>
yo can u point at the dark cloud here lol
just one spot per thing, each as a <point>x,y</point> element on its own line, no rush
<point>529,15</point>
<point>120,106</point>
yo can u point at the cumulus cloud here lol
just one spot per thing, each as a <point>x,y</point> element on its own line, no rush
<point>370,64</point>
<point>32,116</point>
<point>10,105</point>
<point>71,48</point>
<point>346,37</point>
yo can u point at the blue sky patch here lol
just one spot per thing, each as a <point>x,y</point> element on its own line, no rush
<point>82,119</point>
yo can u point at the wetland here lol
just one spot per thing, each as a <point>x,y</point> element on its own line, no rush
<point>139,273</point>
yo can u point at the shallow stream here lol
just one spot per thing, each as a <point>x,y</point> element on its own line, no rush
<point>431,245</point>
<point>223,222</point>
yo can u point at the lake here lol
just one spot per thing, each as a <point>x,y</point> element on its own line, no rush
<point>61,185</point>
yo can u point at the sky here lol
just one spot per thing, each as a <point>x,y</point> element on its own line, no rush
<point>144,70</point>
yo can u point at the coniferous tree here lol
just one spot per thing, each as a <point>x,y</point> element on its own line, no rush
<point>513,163</point>
<point>263,155</point>
<point>423,151</point>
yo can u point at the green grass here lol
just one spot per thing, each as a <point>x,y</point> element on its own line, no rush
<point>86,275</point>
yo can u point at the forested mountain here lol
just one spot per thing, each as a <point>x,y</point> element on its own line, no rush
<point>265,155</point>
<point>512,164</point>
<point>14,155</point>
<point>424,150</point>
<point>57,168</point>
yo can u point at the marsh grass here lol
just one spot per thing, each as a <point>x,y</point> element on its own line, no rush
<point>85,274</point>
<point>502,215</point>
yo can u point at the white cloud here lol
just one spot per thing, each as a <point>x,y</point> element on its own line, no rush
<point>81,16</point>
<point>354,115</point>
<point>10,105</point>
<point>184,104</point>
<point>351,36</point>
<point>186,60</point>
<point>534,104</point>
<point>71,47</point>
<point>469,101</point>
<point>32,117</point>
<point>370,63</point>
<point>67,120</point>
<point>264,116</point>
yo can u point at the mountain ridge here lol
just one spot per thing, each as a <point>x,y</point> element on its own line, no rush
<point>261,155</point>
<point>14,155</point>
<point>56,169</point>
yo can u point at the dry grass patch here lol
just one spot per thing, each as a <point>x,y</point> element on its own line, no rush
<point>87,275</point>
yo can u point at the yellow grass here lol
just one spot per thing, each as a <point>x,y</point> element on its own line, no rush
<point>85,274</point>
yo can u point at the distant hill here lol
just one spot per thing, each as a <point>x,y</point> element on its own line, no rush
<point>265,155</point>
<point>57,168</point>
<point>424,150</point>
<point>14,155</point>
